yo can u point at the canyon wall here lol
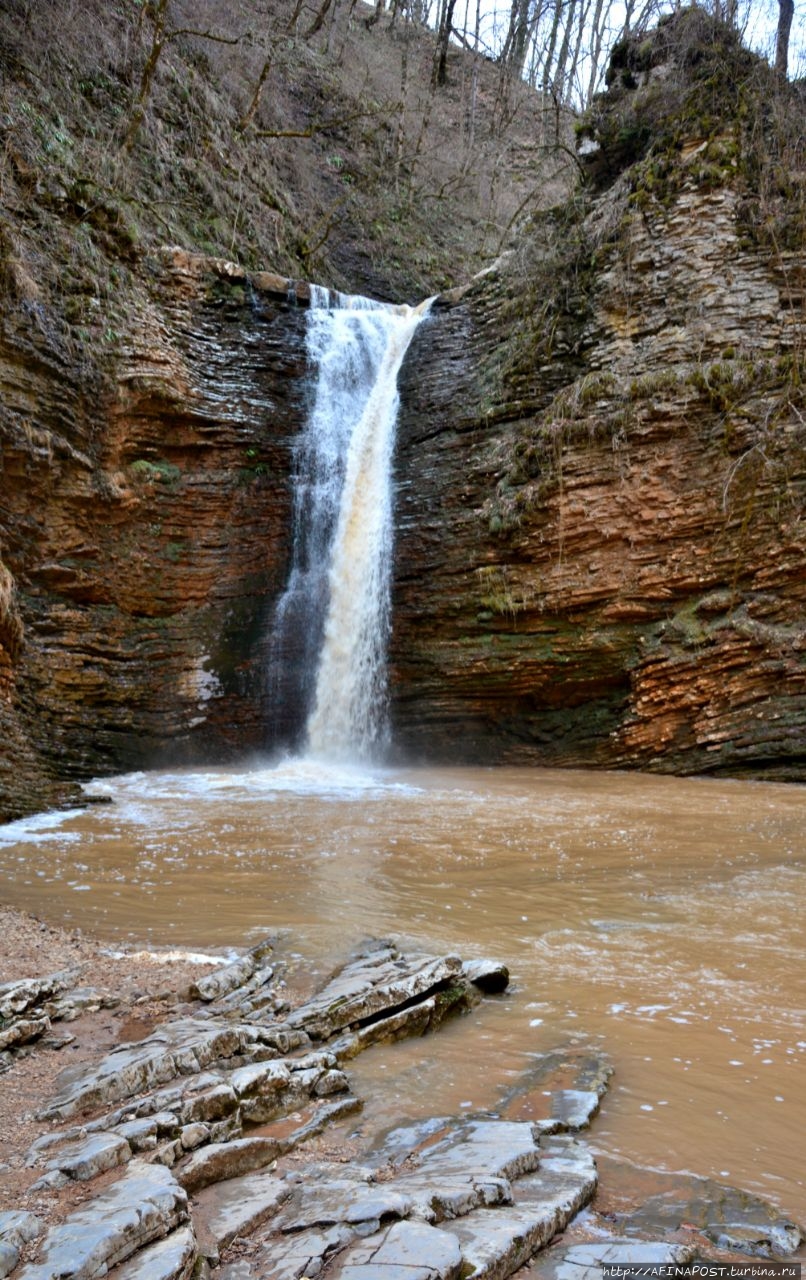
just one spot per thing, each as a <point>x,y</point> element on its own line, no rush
<point>146,526</point>
<point>601,549</point>
<point>600,476</point>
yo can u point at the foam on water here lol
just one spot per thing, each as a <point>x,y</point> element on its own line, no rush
<point>40,828</point>
<point>295,775</point>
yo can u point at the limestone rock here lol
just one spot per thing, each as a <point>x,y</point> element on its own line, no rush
<point>469,1165</point>
<point>16,1229</point>
<point>221,982</point>
<point>326,1201</point>
<point>490,976</point>
<point>16,997</point>
<point>222,1160</point>
<point>182,1047</point>
<point>405,1251</point>
<point>170,1259</point>
<point>22,1031</point>
<point>496,1244</point>
<point>9,1257</point>
<point>301,1254</point>
<point>238,1206</point>
<point>731,1218</point>
<point>84,1158</point>
<point>584,1261</point>
<point>143,1205</point>
<point>561,1092</point>
<point>374,983</point>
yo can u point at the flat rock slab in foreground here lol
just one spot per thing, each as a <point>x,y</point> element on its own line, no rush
<point>373,984</point>
<point>173,1258</point>
<point>143,1205</point>
<point>584,1261</point>
<point>404,1251</point>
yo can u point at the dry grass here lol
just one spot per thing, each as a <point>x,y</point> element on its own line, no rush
<point>395,190</point>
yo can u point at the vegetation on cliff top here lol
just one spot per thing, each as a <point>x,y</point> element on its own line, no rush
<point>250,132</point>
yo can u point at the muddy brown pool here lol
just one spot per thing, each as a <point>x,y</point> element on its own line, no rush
<point>658,918</point>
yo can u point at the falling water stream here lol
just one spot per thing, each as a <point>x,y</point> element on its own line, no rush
<point>658,919</point>
<point>334,613</point>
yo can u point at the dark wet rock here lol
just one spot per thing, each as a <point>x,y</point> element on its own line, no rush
<point>143,1205</point>
<point>729,1218</point>
<point>405,1251</point>
<point>222,1160</point>
<point>571,1110</point>
<point>170,1259</point>
<point>490,976</point>
<point>375,983</point>
<point>584,1261</point>
<point>561,1092</point>
<point>236,1208</point>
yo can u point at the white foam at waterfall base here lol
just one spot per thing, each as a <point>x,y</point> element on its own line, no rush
<point>135,794</point>
<point>39,828</point>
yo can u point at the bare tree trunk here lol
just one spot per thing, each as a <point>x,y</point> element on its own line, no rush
<point>555,28</point>
<point>581,30</point>
<point>159,17</point>
<point>250,112</point>
<point>440,75</point>
<point>786,12</point>
<point>559,78</point>
<point>318,21</point>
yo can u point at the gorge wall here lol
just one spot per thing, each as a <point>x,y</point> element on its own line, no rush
<point>601,551</point>
<point>146,522</point>
<point>600,477</point>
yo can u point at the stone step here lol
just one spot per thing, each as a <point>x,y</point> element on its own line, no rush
<point>144,1204</point>
<point>404,1251</point>
<point>236,1208</point>
<point>497,1241</point>
<point>173,1258</point>
<point>584,1261</point>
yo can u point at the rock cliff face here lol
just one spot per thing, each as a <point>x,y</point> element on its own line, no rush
<point>600,476</point>
<point>146,526</point>
<point>602,472</point>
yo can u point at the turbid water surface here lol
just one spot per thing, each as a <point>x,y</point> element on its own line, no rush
<point>658,918</point>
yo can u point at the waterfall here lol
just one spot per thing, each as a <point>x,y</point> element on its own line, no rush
<point>332,623</point>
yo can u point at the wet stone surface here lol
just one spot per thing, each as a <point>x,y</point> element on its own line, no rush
<point>201,1146</point>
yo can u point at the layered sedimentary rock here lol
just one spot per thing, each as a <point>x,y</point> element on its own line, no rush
<point>601,474</point>
<point>146,514</point>
<point>600,477</point>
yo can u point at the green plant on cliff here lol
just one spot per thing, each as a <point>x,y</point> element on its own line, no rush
<point>159,470</point>
<point>498,594</point>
